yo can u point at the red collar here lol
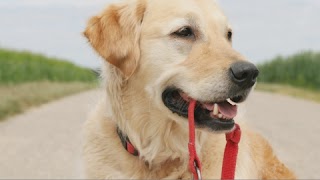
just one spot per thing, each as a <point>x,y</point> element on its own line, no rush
<point>230,152</point>
<point>126,143</point>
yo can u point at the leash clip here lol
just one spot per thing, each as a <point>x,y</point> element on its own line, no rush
<point>198,172</point>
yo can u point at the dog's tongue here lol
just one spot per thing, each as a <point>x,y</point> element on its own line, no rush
<point>228,110</point>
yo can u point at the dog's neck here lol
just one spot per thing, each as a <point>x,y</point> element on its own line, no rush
<point>157,138</point>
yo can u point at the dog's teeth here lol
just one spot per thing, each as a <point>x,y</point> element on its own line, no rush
<point>231,102</point>
<point>220,116</point>
<point>215,109</point>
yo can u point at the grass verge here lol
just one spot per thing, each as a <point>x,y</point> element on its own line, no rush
<point>17,98</point>
<point>308,94</point>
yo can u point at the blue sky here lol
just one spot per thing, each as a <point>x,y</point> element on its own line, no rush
<point>262,29</point>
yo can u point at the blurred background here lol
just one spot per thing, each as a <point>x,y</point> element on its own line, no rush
<point>44,57</point>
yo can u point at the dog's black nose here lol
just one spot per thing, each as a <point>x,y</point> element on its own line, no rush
<point>244,74</point>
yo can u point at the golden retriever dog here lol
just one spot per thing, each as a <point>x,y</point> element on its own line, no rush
<point>158,55</point>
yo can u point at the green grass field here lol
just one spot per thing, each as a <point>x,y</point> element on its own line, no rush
<point>299,70</point>
<point>28,80</point>
<point>21,67</point>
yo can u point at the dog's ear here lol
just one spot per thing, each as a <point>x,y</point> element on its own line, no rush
<point>115,34</point>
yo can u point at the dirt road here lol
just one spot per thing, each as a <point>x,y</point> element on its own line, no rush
<point>46,142</point>
<point>292,126</point>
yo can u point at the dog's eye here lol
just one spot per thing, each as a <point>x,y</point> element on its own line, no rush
<point>184,32</point>
<point>229,35</point>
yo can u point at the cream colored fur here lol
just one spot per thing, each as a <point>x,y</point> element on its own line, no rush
<point>142,59</point>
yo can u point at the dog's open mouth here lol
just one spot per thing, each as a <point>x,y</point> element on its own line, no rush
<point>217,116</point>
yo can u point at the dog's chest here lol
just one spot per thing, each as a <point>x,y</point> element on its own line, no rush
<point>212,160</point>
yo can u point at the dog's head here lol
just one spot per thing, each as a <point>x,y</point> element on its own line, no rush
<point>174,50</point>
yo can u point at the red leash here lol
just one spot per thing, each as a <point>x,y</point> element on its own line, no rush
<point>230,152</point>
<point>194,162</point>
